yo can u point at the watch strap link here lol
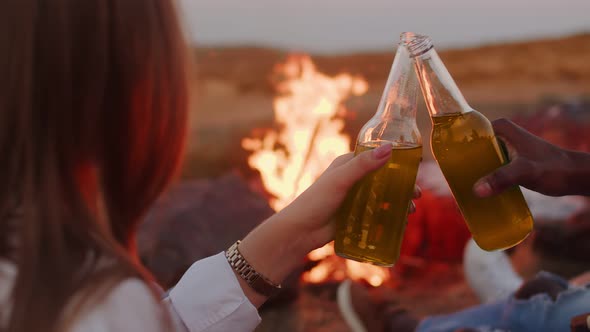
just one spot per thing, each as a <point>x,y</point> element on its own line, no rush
<point>241,266</point>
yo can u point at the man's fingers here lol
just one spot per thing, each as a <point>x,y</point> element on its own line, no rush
<point>507,147</point>
<point>503,178</point>
<point>511,134</point>
<point>506,128</point>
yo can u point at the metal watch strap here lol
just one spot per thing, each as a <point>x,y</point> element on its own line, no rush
<point>257,281</point>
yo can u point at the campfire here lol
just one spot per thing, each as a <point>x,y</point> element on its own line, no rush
<point>309,113</point>
<point>309,132</point>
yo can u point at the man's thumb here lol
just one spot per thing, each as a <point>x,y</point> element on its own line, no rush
<point>496,182</point>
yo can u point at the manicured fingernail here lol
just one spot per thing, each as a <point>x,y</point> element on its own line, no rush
<point>482,188</point>
<point>382,151</point>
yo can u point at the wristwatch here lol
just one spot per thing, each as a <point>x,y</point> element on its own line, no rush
<point>256,280</point>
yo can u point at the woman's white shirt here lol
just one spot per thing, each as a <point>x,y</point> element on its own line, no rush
<point>208,298</point>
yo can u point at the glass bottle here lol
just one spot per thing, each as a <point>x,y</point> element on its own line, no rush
<point>465,148</point>
<point>373,217</point>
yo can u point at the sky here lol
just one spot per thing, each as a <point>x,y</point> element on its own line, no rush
<point>340,26</point>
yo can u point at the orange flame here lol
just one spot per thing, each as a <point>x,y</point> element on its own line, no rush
<point>309,110</point>
<point>331,267</point>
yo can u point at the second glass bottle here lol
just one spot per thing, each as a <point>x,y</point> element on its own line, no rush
<point>466,149</point>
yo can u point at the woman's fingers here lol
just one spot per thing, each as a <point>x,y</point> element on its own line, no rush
<point>351,171</point>
<point>341,160</point>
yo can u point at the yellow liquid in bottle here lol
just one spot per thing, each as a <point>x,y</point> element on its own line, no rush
<point>466,149</point>
<point>371,222</point>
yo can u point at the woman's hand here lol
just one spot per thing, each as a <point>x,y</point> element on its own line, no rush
<point>278,245</point>
<point>313,210</point>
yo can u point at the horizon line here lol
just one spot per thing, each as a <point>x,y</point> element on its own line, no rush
<point>380,49</point>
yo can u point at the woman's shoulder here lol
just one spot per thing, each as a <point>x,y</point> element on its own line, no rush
<point>128,306</point>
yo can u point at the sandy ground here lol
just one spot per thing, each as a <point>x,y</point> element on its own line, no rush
<point>436,289</point>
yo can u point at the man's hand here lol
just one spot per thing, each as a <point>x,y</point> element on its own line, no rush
<point>537,165</point>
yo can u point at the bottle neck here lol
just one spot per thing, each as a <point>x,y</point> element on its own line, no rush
<point>395,119</point>
<point>440,91</point>
<point>398,100</point>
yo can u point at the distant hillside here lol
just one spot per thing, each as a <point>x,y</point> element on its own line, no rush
<point>547,62</point>
<point>235,91</point>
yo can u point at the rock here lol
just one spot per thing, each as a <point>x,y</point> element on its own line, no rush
<point>196,219</point>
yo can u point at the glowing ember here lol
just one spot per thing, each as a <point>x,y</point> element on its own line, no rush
<point>309,110</point>
<point>331,267</point>
<point>373,274</point>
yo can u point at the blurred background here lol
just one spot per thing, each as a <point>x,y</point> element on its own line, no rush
<point>282,87</point>
<point>506,56</point>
